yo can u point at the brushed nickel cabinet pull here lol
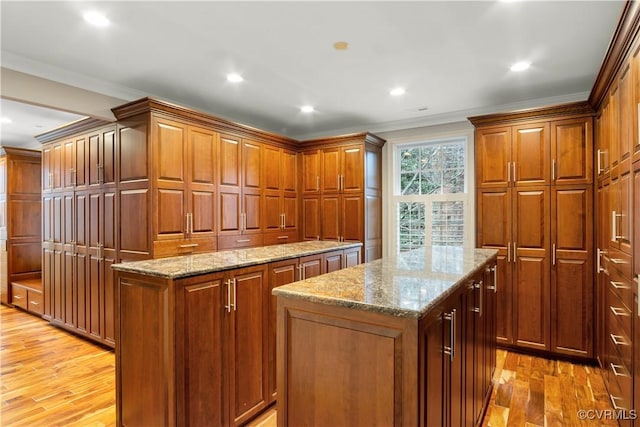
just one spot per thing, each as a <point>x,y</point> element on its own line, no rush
<point>318,183</point>
<point>615,406</point>
<point>235,294</point>
<point>553,254</point>
<point>509,252</point>
<point>553,170</point>
<point>598,254</point>
<point>508,172</point>
<point>228,305</point>
<point>618,340</point>
<point>619,370</point>
<point>599,163</point>
<point>450,350</point>
<point>618,285</point>
<point>620,312</point>
<point>190,245</point>
<point>243,240</point>
<point>282,237</point>
<point>514,172</point>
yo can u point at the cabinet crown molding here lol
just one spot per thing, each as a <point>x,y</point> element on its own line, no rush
<point>73,128</point>
<point>581,108</point>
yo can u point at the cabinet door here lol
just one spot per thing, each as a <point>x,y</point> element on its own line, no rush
<point>47,254</point>
<point>80,176</point>
<point>311,218</point>
<point>201,189</point>
<point>330,217</point>
<point>83,301</point>
<point>352,218</point>
<point>531,214</point>
<point>96,270</point>
<point>493,157</point>
<point>58,293</point>
<point>108,255</point>
<point>247,346</point>
<point>290,212</point>
<point>572,272</point>
<point>230,185</point>
<point>628,114</point>
<point>636,221</point>
<point>626,214</point>
<point>331,170</point>
<point>614,129</point>
<point>494,229</point>
<point>56,163</point>
<point>68,255</point>
<point>311,266</point>
<point>170,166</point>
<point>333,261</point>
<point>280,273</point>
<point>273,168</point>
<point>68,164</point>
<point>310,172</point>
<point>434,402</point>
<point>635,66</point>
<point>108,153</point>
<point>252,187</point>
<point>199,312</point>
<point>47,159</point>
<point>530,154</point>
<point>352,169</point>
<point>572,151</point>
<point>288,171</point>
<point>272,204</point>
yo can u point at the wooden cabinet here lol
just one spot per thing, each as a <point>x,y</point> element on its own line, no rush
<point>186,188</point>
<point>635,284</point>
<point>535,205</point>
<point>215,333</point>
<point>342,191</point>
<point>280,199</point>
<point>20,228</point>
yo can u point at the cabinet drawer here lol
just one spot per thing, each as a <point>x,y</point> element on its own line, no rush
<point>240,241</point>
<point>35,302</point>
<point>618,342</point>
<point>619,311</point>
<point>166,248</point>
<point>278,238</point>
<point>19,297</point>
<point>619,262</point>
<point>619,391</point>
<point>621,287</point>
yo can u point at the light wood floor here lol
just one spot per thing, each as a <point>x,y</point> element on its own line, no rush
<point>52,378</point>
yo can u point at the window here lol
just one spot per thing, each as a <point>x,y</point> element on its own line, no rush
<point>433,204</point>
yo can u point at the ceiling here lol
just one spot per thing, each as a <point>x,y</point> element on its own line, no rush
<point>452,57</point>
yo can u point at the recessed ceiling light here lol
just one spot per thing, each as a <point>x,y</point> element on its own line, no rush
<point>96,18</point>
<point>341,45</point>
<point>5,120</point>
<point>397,91</point>
<point>307,109</point>
<point>520,66</point>
<point>234,78</point>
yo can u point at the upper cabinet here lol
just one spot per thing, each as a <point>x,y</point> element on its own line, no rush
<point>535,153</point>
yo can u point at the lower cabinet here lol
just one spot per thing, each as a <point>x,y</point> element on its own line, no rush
<point>459,347</point>
<point>200,350</point>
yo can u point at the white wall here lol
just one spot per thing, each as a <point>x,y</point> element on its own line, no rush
<point>421,134</point>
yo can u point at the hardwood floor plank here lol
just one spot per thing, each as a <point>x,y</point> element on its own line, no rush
<point>535,404</point>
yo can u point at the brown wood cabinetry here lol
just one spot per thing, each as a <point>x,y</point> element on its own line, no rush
<point>342,191</point>
<point>20,229</point>
<point>80,230</point>
<point>535,205</point>
<point>447,355</point>
<point>280,200</point>
<point>202,348</point>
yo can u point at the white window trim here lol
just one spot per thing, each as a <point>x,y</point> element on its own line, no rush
<point>391,184</point>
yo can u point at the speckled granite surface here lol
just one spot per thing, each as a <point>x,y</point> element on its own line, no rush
<point>407,285</point>
<point>194,265</point>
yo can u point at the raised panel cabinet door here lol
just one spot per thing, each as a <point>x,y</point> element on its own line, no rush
<point>247,345</point>
<point>170,146</point>
<point>635,66</point>
<point>94,168</point>
<point>290,211</point>
<point>95,272</point>
<point>494,226</point>
<point>531,261</point>
<point>310,213</point>
<point>352,218</point>
<point>251,165</point>
<point>199,319</point>
<point>615,216</point>
<point>333,261</point>
<point>572,151</point>
<point>109,257</point>
<point>273,168</point>
<point>310,172</point>
<point>80,174</point>
<point>47,156</point>
<point>352,169</point>
<point>331,169</point>
<point>330,217</point>
<point>628,114</point>
<point>289,171</point>
<point>493,157</point>
<point>272,212</point>
<point>57,167</point>
<point>229,158</point>
<point>626,214</point>
<point>252,211</point>
<point>68,163</point>
<point>434,401</point>
<point>201,151</point>
<point>571,271</point>
<point>133,158</point>
<point>280,273</point>
<point>530,154</point>
<point>636,221</point>
<point>310,266</point>
<point>614,129</point>
<point>108,155</point>
<point>80,262</point>
<point>69,244</point>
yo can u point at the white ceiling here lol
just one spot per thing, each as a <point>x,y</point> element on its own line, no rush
<point>452,57</point>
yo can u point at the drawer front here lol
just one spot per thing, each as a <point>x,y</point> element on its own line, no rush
<point>618,396</point>
<point>619,373</point>
<point>19,297</point>
<point>621,287</point>
<point>240,241</point>
<point>618,342</point>
<point>35,302</point>
<point>166,248</point>
<point>620,262</point>
<point>619,311</point>
<point>280,237</point>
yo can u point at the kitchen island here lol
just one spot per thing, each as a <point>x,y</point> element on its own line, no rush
<point>406,340</point>
<point>195,334</point>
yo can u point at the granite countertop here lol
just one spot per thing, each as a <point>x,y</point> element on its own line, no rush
<point>197,264</point>
<point>407,285</point>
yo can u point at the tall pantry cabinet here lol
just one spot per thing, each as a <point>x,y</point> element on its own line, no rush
<point>341,186</point>
<point>535,205</point>
<point>616,97</point>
